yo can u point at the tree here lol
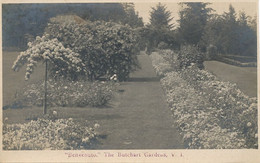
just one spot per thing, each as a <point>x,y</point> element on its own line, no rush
<point>159,29</point>
<point>132,18</point>
<point>160,17</point>
<point>229,32</point>
<point>193,18</point>
<point>247,42</point>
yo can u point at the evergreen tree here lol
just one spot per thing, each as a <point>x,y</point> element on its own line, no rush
<point>159,28</point>
<point>132,18</point>
<point>160,17</point>
<point>230,40</point>
<point>193,18</point>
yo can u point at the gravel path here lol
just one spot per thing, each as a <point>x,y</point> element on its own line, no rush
<point>139,117</point>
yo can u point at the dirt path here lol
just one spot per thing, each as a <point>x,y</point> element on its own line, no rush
<point>244,77</point>
<point>139,117</point>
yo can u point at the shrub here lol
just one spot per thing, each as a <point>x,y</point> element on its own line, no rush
<point>238,109</point>
<point>189,54</point>
<point>106,48</point>
<point>60,134</point>
<point>211,52</point>
<point>67,93</point>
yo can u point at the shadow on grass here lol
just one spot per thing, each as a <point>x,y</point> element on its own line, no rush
<point>104,116</point>
<point>145,79</point>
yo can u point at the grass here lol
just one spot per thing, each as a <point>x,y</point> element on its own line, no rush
<point>244,77</point>
<point>137,117</point>
<point>14,81</point>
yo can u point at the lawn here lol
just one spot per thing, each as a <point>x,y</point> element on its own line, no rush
<point>14,81</point>
<point>136,118</point>
<point>244,77</point>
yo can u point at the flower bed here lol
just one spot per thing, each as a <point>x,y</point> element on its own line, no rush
<point>59,134</point>
<point>210,113</point>
<point>67,93</point>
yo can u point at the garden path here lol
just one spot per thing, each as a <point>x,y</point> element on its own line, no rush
<point>139,117</point>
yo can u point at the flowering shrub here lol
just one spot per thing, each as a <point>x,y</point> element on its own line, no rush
<point>67,93</point>
<point>210,113</point>
<point>106,48</point>
<point>63,61</point>
<point>159,65</point>
<point>60,134</point>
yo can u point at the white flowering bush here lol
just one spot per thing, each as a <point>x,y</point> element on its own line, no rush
<point>159,65</point>
<point>209,112</point>
<point>45,134</point>
<point>67,93</point>
<point>106,48</point>
<point>63,61</point>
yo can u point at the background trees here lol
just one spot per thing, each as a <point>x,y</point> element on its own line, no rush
<point>159,30</point>
<point>31,19</point>
<point>231,34</point>
<point>193,18</point>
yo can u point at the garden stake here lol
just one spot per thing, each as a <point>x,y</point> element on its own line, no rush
<point>45,90</point>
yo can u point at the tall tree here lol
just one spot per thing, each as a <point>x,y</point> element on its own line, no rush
<point>193,18</point>
<point>159,28</point>
<point>132,18</point>
<point>160,17</point>
<point>230,40</point>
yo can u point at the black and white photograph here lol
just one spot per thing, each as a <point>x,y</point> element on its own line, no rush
<point>129,80</point>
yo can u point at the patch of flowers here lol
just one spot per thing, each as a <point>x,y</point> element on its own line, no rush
<point>46,134</point>
<point>67,93</point>
<point>210,113</point>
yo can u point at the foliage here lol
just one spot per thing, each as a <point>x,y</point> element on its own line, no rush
<point>159,29</point>
<point>190,54</point>
<point>106,48</point>
<point>160,17</point>
<point>63,61</point>
<point>132,18</point>
<point>160,67</point>
<point>211,52</point>
<point>31,19</point>
<point>193,18</point>
<point>231,34</point>
<point>45,134</point>
<point>67,93</point>
<point>197,120</point>
<point>209,112</point>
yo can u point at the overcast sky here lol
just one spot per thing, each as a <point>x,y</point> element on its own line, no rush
<point>250,8</point>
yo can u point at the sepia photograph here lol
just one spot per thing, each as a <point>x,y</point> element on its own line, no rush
<point>129,80</point>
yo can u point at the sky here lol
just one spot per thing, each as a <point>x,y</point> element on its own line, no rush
<point>250,8</point>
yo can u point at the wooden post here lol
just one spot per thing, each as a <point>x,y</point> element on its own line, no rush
<point>45,89</point>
